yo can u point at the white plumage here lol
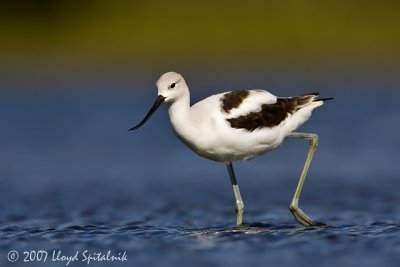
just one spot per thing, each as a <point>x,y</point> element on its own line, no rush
<point>205,129</point>
<point>236,125</point>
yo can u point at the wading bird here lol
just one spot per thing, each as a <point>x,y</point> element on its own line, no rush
<point>238,125</point>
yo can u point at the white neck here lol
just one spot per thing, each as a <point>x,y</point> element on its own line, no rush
<point>179,114</point>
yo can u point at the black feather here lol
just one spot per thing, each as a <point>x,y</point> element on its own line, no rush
<point>324,99</point>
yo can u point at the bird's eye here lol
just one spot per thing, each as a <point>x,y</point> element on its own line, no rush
<point>172,85</point>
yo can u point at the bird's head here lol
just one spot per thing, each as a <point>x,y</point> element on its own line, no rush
<point>171,86</point>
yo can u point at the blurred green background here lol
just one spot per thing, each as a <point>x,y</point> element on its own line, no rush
<point>45,40</point>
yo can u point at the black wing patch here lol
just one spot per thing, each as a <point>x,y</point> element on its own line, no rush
<point>233,99</point>
<point>271,114</point>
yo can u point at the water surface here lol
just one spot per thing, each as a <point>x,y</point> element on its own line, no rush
<point>73,179</point>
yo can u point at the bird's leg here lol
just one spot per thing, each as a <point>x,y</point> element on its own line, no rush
<point>299,215</point>
<point>239,206</point>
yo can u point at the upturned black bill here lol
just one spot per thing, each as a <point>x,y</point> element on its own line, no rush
<point>160,99</point>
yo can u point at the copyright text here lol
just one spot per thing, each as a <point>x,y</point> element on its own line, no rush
<point>85,256</point>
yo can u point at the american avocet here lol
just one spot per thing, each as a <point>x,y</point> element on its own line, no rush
<point>238,125</point>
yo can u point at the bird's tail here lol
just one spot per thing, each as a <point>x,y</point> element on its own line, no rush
<point>324,99</point>
<point>316,94</point>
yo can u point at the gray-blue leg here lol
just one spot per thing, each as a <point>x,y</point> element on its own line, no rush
<point>239,206</point>
<point>298,214</point>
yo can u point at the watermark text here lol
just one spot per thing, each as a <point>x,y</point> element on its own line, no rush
<point>85,256</point>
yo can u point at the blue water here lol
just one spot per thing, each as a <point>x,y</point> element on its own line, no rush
<point>73,179</point>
